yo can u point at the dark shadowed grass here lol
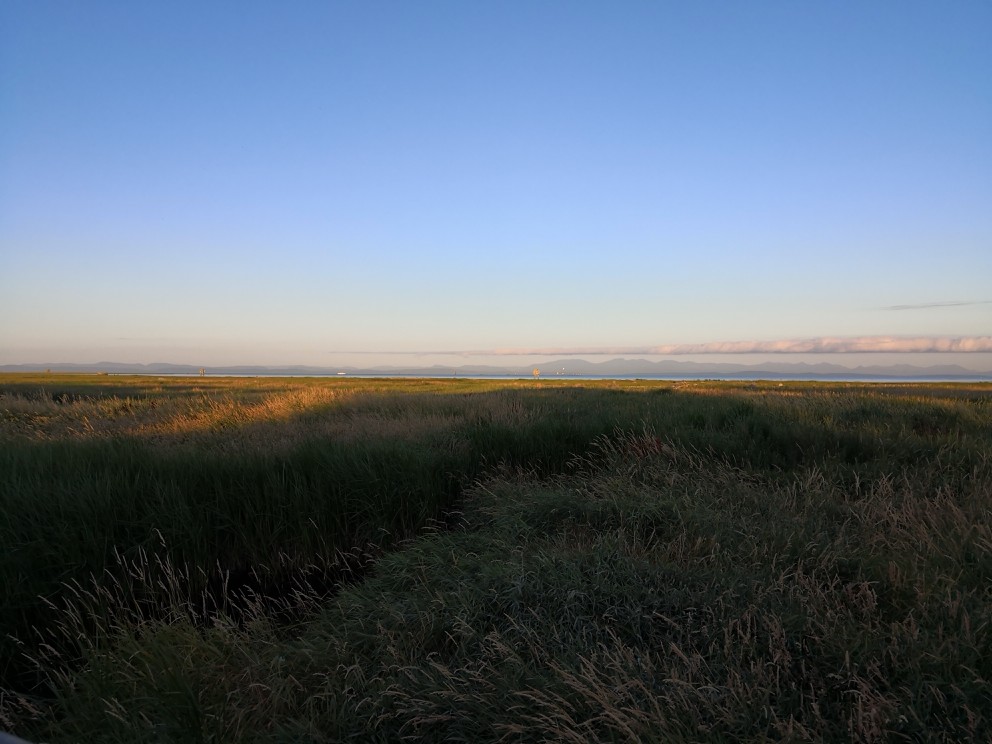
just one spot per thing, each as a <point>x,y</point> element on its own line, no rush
<point>678,561</point>
<point>657,593</point>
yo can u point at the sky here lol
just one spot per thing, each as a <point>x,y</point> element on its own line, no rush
<point>445,181</point>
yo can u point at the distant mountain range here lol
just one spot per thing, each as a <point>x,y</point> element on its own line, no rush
<point>553,368</point>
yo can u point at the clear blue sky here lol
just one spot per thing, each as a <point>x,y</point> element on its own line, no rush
<point>281,182</point>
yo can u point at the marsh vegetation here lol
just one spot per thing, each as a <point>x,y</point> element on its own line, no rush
<point>193,559</point>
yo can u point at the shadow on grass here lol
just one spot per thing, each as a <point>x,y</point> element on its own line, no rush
<point>241,520</point>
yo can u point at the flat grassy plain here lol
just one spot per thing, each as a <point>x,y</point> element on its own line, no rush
<point>273,559</point>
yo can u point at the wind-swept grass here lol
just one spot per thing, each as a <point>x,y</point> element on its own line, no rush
<point>650,560</point>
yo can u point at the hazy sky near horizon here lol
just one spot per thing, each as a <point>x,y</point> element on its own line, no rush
<point>216,183</point>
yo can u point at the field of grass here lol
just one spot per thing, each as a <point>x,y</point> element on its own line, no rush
<point>214,560</point>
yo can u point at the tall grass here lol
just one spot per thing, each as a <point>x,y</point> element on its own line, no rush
<point>767,561</point>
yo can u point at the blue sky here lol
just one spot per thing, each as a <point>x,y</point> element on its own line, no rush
<point>265,183</point>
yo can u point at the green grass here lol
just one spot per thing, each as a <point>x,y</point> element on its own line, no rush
<point>673,561</point>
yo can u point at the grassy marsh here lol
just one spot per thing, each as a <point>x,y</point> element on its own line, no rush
<point>628,560</point>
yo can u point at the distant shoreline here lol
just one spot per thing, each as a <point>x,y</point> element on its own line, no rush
<point>771,377</point>
<point>757,376</point>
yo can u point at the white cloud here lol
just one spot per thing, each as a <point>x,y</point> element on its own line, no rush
<point>819,345</point>
<point>838,345</point>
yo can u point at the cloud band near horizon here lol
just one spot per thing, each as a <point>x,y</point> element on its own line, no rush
<point>821,345</point>
<point>936,305</point>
